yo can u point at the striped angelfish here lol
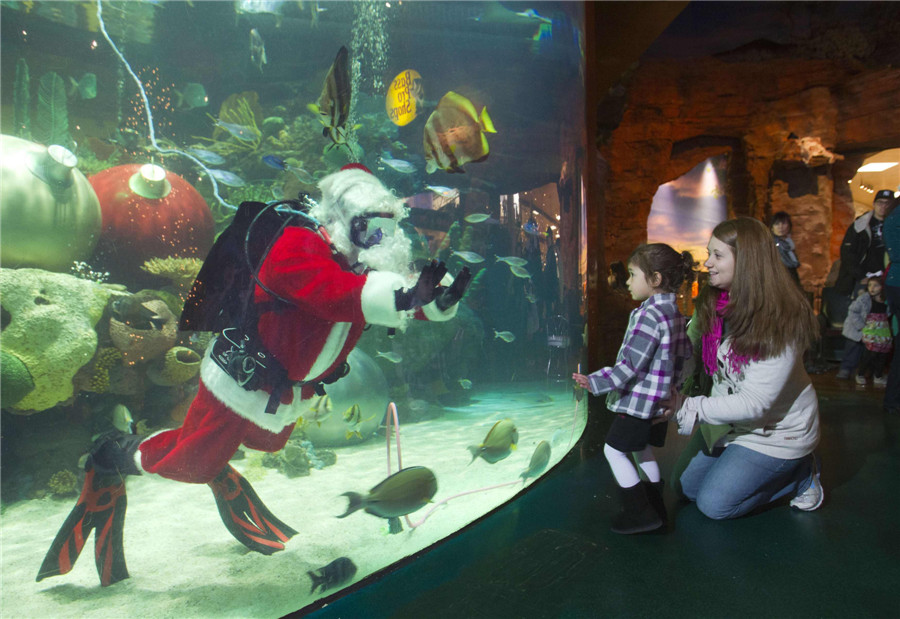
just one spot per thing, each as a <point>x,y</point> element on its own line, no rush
<point>333,107</point>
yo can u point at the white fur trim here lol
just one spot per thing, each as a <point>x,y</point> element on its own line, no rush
<point>251,405</point>
<point>431,310</point>
<point>137,452</point>
<point>330,351</point>
<point>377,299</point>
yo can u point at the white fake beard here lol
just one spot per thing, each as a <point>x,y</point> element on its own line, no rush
<point>392,254</point>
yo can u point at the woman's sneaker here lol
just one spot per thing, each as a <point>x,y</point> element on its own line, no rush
<point>860,380</point>
<point>811,499</point>
<point>880,381</point>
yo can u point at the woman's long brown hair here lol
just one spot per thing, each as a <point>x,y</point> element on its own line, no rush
<point>766,311</point>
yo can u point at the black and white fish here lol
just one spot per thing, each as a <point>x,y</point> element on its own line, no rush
<point>336,573</point>
<point>333,107</point>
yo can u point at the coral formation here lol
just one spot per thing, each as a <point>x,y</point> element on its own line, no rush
<point>180,271</point>
<point>298,457</point>
<point>63,483</point>
<point>178,365</point>
<point>106,359</point>
<point>50,329</point>
<point>144,344</point>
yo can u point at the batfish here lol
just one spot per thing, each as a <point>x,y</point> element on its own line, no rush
<point>454,134</point>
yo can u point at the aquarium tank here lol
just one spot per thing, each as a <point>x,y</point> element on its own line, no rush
<point>301,284</point>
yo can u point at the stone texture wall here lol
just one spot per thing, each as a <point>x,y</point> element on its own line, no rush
<point>675,114</point>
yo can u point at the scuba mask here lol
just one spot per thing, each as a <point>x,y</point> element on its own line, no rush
<point>368,230</point>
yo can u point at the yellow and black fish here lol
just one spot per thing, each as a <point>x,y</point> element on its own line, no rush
<point>498,443</point>
<point>353,416</point>
<point>454,134</point>
<point>333,107</point>
<point>402,493</point>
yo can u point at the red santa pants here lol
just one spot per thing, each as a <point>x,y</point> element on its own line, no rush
<point>211,433</point>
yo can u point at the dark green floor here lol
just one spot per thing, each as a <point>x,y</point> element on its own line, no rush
<point>551,554</point>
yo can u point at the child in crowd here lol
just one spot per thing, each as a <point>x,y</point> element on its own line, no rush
<point>852,331</point>
<point>875,335</point>
<point>781,230</point>
<point>647,370</point>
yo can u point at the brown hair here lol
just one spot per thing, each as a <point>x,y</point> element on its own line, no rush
<point>766,311</point>
<point>672,267</point>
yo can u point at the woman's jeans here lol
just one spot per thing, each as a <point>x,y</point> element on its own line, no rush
<point>735,480</point>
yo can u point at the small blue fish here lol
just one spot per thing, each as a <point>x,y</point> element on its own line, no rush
<point>227,178</point>
<point>448,193</point>
<point>241,132</point>
<point>206,156</point>
<point>520,272</point>
<point>506,336</point>
<point>469,256</point>
<point>477,218</point>
<point>404,167</point>
<point>274,161</point>
<point>513,261</point>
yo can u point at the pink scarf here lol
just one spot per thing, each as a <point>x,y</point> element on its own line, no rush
<point>711,340</point>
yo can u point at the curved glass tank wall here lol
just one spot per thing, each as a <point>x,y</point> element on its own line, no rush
<point>132,134</point>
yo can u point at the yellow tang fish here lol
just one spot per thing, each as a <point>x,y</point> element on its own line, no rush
<point>454,134</point>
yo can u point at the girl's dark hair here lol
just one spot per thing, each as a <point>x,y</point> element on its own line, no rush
<point>782,217</point>
<point>673,268</point>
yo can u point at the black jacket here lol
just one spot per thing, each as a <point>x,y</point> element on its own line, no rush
<point>857,241</point>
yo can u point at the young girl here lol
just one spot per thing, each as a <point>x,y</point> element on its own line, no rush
<point>870,310</point>
<point>647,368</point>
<point>755,327</point>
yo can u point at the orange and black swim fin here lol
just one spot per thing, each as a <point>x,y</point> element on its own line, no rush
<point>100,508</point>
<point>245,515</point>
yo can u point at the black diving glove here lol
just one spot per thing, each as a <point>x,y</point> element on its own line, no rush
<point>427,286</point>
<point>451,295</point>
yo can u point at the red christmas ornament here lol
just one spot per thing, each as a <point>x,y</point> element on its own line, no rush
<point>149,212</point>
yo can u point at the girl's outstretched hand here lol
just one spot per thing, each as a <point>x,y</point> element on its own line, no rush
<point>581,380</point>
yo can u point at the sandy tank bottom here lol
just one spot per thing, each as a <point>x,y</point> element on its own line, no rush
<point>184,563</point>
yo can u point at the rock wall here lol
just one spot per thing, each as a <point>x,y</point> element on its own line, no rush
<point>675,114</point>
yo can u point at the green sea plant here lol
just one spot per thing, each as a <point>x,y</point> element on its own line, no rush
<point>451,241</point>
<point>51,124</point>
<point>239,109</point>
<point>22,100</point>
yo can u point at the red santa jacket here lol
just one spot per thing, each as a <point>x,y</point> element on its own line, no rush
<point>330,306</point>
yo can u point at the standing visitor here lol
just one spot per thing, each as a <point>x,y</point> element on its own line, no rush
<point>647,369</point>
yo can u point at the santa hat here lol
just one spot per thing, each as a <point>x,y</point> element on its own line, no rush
<point>352,191</point>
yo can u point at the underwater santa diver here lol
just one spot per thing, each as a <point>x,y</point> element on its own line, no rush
<point>256,379</point>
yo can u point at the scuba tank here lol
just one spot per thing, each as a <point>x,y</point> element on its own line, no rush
<point>221,298</point>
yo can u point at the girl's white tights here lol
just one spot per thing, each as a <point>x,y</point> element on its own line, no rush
<point>623,468</point>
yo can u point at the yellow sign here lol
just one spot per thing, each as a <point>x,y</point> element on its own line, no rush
<point>400,102</point>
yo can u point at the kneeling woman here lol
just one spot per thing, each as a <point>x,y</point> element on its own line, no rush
<point>755,325</point>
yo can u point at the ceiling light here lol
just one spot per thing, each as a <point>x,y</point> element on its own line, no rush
<point>877,167</point>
